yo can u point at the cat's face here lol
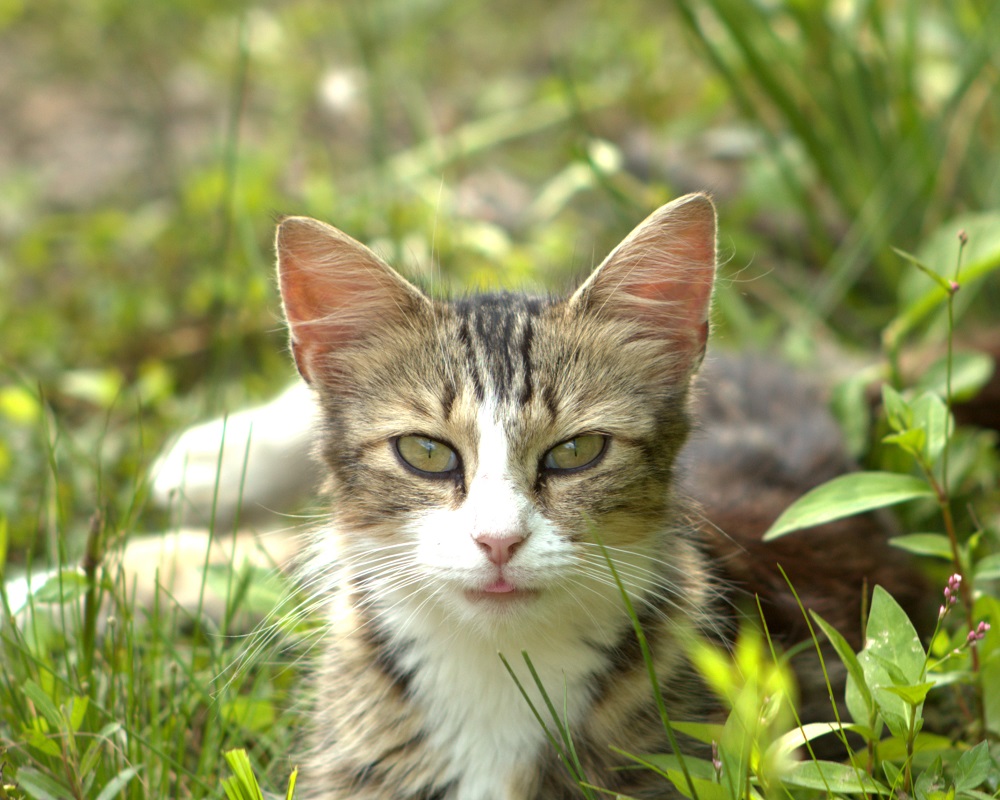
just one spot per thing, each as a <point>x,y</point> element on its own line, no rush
<point>481,449</point>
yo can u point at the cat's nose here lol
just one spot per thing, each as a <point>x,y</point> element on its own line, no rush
<point>499,549</point>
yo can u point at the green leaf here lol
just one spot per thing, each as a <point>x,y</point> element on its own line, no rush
<point>77,712</point>
<point>117,783</point>
<point>797,737</point>
<point>970,372</point>
<point>891,637</point>
<point>706,790</point>
<point>924,544</point>
<point>973,768</point>
<point>988,569</point>
<point>40,786</point>
<point>930,415</point>
<point>930,784</point>
<point>892,657</point>
<point>700,731</point>
<point>914,695</point>
<point>847,657</point>
<point>243,783</point>
<point>912,441</point>
<point>845,496</point>
<point>665,762</point>
<point>897,410</point>
<point>828,774</point>
<point>62,586</point>
<point>290,792</point>
<point>896,749</point>
<point>43,704</point>
<point>40,740</point>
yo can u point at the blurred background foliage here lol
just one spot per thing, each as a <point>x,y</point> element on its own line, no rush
<point>146,150</point>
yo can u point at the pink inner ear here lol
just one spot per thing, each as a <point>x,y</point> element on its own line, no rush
<point>662,275</point>
<point>335,291</point>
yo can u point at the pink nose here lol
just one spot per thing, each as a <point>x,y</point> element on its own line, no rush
<point>499,549</point>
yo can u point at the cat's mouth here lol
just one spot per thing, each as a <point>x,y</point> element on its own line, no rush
<point>500,590</point>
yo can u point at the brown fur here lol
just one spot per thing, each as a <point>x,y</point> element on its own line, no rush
<point>614,360</point>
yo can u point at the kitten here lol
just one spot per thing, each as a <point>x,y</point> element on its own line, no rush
<point>479,452</point>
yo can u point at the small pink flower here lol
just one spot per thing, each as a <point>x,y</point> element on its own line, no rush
<point>979,633</point>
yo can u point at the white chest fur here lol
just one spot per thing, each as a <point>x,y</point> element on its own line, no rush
<point>481,724</point>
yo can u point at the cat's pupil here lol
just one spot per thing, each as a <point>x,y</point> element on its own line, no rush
<point>426,454</point>
<point>580,451</point>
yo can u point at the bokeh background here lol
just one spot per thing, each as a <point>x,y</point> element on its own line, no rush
<point>146,150</point>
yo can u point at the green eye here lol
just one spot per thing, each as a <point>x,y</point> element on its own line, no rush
<point>426,455</point>
<point>576,453</point>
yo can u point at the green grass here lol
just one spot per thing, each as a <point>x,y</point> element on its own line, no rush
<point>507,144</point>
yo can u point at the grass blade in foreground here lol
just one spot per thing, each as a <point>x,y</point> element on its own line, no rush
<point>848,495</point>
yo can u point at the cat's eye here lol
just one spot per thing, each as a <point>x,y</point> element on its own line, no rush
<point>426,455</point>
<point>576,453</point>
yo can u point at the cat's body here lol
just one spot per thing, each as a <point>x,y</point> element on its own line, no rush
<point>480,452</point>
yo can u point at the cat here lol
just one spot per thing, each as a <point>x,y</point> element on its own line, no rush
<point>480,452</point>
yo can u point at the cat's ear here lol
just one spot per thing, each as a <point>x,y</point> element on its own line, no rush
<point>661,277</point>
<point>335,292</point>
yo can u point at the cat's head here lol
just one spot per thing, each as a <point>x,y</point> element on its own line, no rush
<point>480,448</point>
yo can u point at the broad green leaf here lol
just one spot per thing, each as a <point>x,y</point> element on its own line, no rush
<point>699,731</point>
<point>895,749</point>
<point>930,415</point>
<point>848,658</point>
<point>891,637</point>
<point>924,544</point>
<point>912,441</point>
<point>845,496</point>
<point>824,775</point>
<point>973,767</point>
<point>788,742</point>
<point>988,569</point>
<point>862,707</point>
<point>970,372</point>
<point>892,657</point>
<point>914,695</point>
<point>897,410</point>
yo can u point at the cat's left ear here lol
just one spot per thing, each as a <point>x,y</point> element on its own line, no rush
<point>661,277</point>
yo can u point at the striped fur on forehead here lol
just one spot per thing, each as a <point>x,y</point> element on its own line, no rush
<point>496,332</point>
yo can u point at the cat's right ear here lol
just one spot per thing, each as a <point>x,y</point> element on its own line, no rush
<point>335,292</point>
<point>661,277</point>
